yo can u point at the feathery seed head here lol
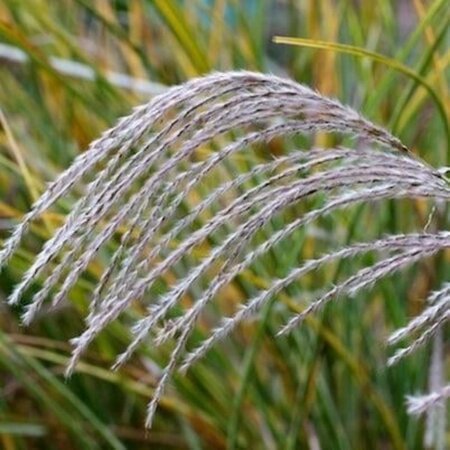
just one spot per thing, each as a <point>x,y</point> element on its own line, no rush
<point>154,159</point>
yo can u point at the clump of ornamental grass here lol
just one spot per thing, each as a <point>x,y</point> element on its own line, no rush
<point>137,182</point>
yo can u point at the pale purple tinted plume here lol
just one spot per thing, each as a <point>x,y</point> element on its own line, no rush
<point>140,177</point>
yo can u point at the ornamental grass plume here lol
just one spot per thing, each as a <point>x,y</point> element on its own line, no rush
<point>140,176</point>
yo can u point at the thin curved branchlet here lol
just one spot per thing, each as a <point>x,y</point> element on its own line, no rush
<point>438,304</point>
<point>139,180</point>
<point>433,317</point>
<point>429,332</point>
<point>419,404</point>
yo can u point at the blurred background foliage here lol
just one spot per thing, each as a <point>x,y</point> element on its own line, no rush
<point>323,387</point>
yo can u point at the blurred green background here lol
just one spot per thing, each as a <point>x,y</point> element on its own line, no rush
<point>323,387</point>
